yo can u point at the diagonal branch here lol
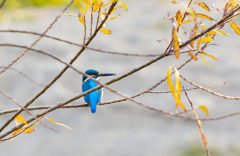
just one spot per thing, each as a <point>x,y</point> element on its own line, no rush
<point>63,71</point>
<point>34,43</point>
<point>20,72</point>
<point>3,2</point>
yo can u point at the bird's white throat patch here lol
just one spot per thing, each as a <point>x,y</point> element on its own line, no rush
<point>90,79</point>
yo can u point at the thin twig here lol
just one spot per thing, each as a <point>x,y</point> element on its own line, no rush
<point>85,29</point>
<point>3,2</point>
<point>91,21</point>
<point>20,72</point>
<point>204,139</point>
<point>209,91</point>
<point>80,45</point>
<point>214,87</point>
<point>157,92</point>
<point>99,10</point>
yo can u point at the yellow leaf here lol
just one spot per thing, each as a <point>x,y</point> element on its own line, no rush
<point>204,108</point>
<point>29,130</point>
<point>115,9</point>
<point>204,139</point>
<point>57,122</point>
<point>175,42</point>
<point>208,55</point>
<point>235,28</point>
<point>206,39</point>
<point>172,89</point>
<point>174,2</point>
<point>20,118</point>
<point>178,83</point>
<point>95,8</point>
<point>106,31</point>
<point>204,60</point>
<point>180,104</point>
<point>81,19</point>
<point>17,131</point>
<point>192,12</point>
<point>179,17</point>
<point>79,6</point>
<point>200,128</point>
<point>95,2</point>
<point>187,21</point>
<point>219,31</point>
<point>192,43</point>
<point>230,3</point>
<point>106,4</point>
<point>203,5</point>
<point>211,33</point>
<point>178,86</point>
<point>196,26</point>
<point>71,15</point>
<point>204,16</point>
<point>203,26</point>
<point>124,6</point>
<point>114,17</point>
<point>193,56</point>
<point>169,81</point>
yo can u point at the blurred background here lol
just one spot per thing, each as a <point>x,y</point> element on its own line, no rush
<point>119,129</point>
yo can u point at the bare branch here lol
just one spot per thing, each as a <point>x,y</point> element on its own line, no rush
<point>80,45</point>
<point>3,2</point>
<point>35,42</point>
<point>157,92</point>
<point>20,72</point>
<point>199,125</point>
<point>209,91</point>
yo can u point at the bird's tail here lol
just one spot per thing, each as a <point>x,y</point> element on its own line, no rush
<point>93,104</point>
<point>93,109</point>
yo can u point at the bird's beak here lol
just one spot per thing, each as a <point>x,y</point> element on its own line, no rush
<point>106,74</point>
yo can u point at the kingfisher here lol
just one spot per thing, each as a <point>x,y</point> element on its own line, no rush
<point>94,97</point>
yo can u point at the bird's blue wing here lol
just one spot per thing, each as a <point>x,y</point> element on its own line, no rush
<point>86,86</point>
<point>100,95</point>
<point>93,97</point>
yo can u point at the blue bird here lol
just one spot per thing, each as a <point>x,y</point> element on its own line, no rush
<point>94,97</point>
